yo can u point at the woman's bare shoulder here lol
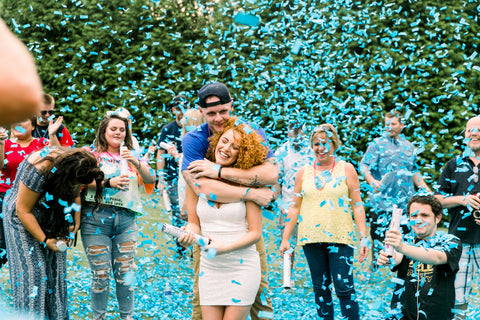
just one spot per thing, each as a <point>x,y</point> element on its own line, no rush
<point>35,158</point>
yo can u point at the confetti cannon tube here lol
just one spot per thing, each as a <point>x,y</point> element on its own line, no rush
<point>165,145</point>
<point>177,232</point>
<point>287,269</point>
<point>394,225</point>
<point>123,162</point>
<point>166,200</point>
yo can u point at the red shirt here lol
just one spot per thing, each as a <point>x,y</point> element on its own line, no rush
<point>14,155</point>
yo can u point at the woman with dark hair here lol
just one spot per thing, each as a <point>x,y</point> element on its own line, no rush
<point>41,209</point>
<point>12,152</point>
<point>230,280</point>
<point>109,232</point>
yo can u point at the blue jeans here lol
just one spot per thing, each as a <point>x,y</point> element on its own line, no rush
<point>109,237</point>
<point>3,245</point>
<point>327,262</point>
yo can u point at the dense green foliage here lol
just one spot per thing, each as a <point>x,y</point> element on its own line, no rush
<point>337,61</point>
<point>95,56</point>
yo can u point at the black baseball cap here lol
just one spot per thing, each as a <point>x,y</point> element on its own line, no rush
<point>216,89</point>
<point>180,102</point>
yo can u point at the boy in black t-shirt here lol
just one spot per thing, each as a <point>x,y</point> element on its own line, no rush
<point>425,268</point>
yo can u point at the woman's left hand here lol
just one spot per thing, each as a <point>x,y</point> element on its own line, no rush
<point>204,168</point>
<point>54,126</point>
<point>130,158</point>
<point>363,253</point>
<point>52,244</point>
<point>284,246</point>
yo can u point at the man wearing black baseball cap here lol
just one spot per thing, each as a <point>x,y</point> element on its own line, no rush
<point>216,89</point>
<point>216,105</point>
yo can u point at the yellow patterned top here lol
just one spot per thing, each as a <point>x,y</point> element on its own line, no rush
<point>325,215</point>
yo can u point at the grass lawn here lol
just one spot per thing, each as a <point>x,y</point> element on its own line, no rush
<point>157,266</point>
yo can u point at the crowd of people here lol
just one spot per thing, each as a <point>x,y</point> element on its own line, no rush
<point>50,190</point>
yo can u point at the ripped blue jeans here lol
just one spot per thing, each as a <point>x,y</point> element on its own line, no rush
<point>109,237</point>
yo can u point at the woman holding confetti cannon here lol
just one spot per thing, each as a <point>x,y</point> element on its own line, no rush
<point>12,152</point>
<point>41,216</point>
<point>229,266</point>
<point>324,195</point>
<point>109,232</point>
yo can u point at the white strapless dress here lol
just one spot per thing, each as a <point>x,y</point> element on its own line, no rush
<point>232,278</point>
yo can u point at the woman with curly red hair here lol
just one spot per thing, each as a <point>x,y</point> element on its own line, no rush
<point>229,265</point>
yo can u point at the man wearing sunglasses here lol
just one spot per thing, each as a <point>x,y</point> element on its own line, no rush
<point>458,190</point>
<point>45,116</point>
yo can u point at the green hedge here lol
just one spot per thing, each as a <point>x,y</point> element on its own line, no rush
<point>354,60</point>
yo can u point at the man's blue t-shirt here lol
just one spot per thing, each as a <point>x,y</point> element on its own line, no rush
<point>195,144</point>
<point>393,163</point>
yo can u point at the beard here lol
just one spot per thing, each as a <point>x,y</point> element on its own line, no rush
<point>474,149</point>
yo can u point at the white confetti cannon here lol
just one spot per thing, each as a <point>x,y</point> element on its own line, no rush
<point>394,225</point>
<point>124,162</point>
<point>166,200</point>
<point>287,269</point>
<point>177,232</point>
<point>165,145</point>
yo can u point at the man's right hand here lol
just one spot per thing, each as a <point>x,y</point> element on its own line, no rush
<point>472,201</point>
<point>261,196</point>
<point>376,185</point>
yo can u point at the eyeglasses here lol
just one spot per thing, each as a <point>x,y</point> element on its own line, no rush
<point>45,112</point>
<point>475,174</point>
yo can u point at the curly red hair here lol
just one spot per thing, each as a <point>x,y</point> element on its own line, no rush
<point>252,149</point>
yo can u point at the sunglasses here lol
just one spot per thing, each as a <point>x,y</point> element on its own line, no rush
<point>120,113</point>
<point>45,112</point>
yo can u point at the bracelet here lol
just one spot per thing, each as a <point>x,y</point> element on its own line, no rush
<point>106,183</point>
<point>365,241</point>
<point>220,173</point>
<point>45,241</point>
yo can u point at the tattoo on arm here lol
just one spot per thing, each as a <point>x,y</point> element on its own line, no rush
<point>278,190</point>
<point>187,175</point>
<point>256,183</point>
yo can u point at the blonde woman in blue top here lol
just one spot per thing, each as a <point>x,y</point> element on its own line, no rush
<point>325,194</point>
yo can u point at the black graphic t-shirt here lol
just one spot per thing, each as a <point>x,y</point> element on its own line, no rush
<point>426,291</point>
